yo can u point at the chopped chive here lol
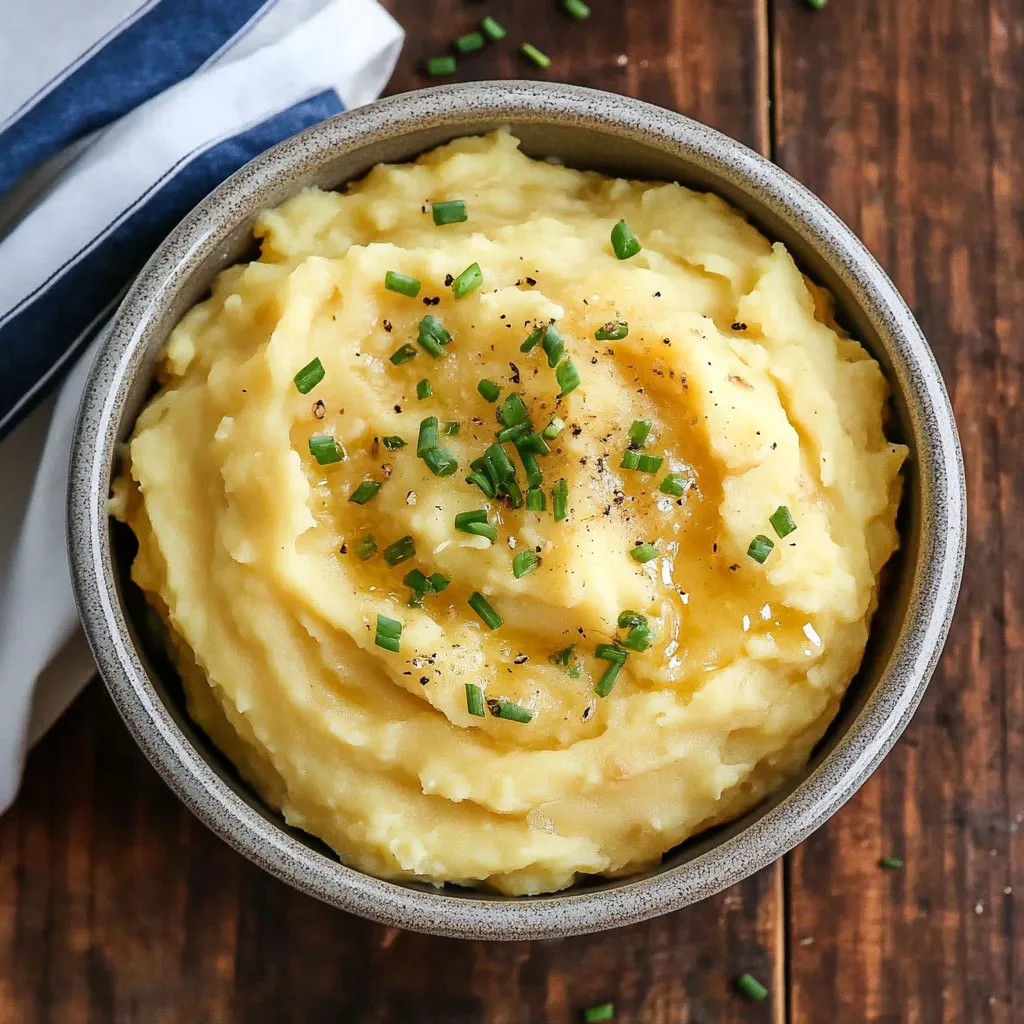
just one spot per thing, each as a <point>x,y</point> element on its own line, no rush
<point>579,11</point>
<point>614,330</point>
<point>553,345</point>
<point>477,515</point>
<point>649,463</point>
<point>424,390</point>
<point>607,681</point>
<point>514,433</point>
<point>403,355</point>
<point>760,548</point>
<point>630,618</point>
<point>428,436</point>
<point>553,429</point>
<point>560,500</point>
<point>639,638</point>
<point>512,411</point>
<point>392,644</point>
<point>490,618</point>
<point>494,30</point>
<point>482,530</point>
<point>393,442</point>
<point>325,449</point>
<point>630,460</point>
<point>611,652</point>
<point>475,523</point>
<point>396,282</point>
<point>438,582</point>
<point>366,548</point>
<point>402,549</point>
<point>512,492</point>
<point>562,657</point>
<point>751,989</point>
<point>309,376</point>
<point>535,500</point>
<point>639,432</point>
<point>483,482</point>
<point>472,277</point>
<point>510,711</point>
<point>438,67</point>
<point>534,443</point>
<point>388,627</point>
<point>364,492</point>
<point>675,484</point>
<point>489,390</point>
<point>890,863</point>
<point>534,476</point>
<point>429,341</point>
<point>475,700</point>
<point>782,521</point>
<point>535,56</point>
<point>451,212</point>
<point>817,5</point>
<point>568,377</point>
<point>432,325</point>
<point>500,466</point>
<point>533,339</point>
<point>470,42</point>
<point>452,428</point>
<point>525,562</point>
<point>643,552</point>
<point>603,1011</point>
<point>441,462</point>
<point>418,583</point>
<point>624,242</point>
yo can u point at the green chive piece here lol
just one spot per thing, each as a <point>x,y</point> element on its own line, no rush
<point>403,549</point>
<point>534,476</point>
<point>675,484</point>
<point>395,282</point>
<point>560,500</point>
<point>475,523</point>
<point>424,390</point>
<point>535,500</point>
<point>603,1011</point>
<point>470,42</point>
<point>533,339</point>
<point>472,277</point>
<point>393,442</point>
<point>489,390</point>
<point>624,242</point>
<point>553,345</point>
<point>568,377</point>
<point>525,562</point>
<point>562,657</point>
<point>439,67</point>
<point>309,376</point>
<point>553,429</point>
<point>760,548</point>
<point>451,212</point>
<point>441,462</point>
<point>389,634</point>
<point>490,618</point>
<point>509,711</point>
<point>482,530</point>
<point>428,436</point>
<point>630,618</point>
<point>452,428</point>
<point>534,443</point>
<point>639,638</point>
<point>392,644</point>
<point>477,515</point>
<point>630,460</point>
<point>500,467</point>
<point>817,5</point>
<point>890,863</point>
<point>366,548</point>
<point>512,411</point>
<point>483,482</point>
<point>513,493</point>
<point>494,30</point>
<point>639,432</point>
<point>782,521</point>
<point>432,336</point>
<point>579,11</point>
<point>649,463</point>
<point>514,433</point>
<point>364,492</point>
<point>403,355</point>
<point>751,989</point>
<point>535,56</point>
<point>325,449</point>
<point>475,700</point>
<point>614,330</point>
<point>643,552</point>
<point>438,582</point>
<point>607,681</point>
<point>611,652</point>
<point>418,583</point>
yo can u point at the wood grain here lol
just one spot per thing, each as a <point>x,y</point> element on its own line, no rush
<point>906,118</point>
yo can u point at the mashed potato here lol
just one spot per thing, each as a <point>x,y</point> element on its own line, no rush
<point>512,757</point>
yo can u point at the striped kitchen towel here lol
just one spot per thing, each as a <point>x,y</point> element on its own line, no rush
<point>116,118</point>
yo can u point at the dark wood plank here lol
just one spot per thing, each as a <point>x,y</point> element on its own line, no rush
<point>906,117</point>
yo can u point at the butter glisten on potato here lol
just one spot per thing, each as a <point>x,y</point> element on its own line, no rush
<point>270,585</point>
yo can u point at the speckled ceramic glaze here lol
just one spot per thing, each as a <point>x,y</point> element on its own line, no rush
<point>586,129</point>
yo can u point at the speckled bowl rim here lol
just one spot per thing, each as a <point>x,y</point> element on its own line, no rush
<point>887,710</point>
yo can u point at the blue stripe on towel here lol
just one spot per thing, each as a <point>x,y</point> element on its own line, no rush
<point>39,342</point>
<point>151,53</point>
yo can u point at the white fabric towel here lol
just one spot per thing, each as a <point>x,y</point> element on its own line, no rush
<point>116,117</point>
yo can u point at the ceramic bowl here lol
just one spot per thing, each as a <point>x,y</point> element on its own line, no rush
<point>586,129</point>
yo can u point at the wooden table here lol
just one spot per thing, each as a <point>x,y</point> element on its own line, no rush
<point>907,117</point>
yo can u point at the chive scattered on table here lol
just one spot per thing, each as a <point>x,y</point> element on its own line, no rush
<point>624,242</point>
<point>510,711</point>
<point>424,390</point>
<point>639,432</point>
<point>643,552</point>
<point>364,492</point>
<point>750,988</point>
<point>490,618</point>
<point>395,282</point>
<point>439,67</point>
<point>403,355</point>
<point>366,548</point>
<point>393,442</point>
<point>675,484</point>
<point>568,377</point>
<point>475,700</point>
<point>579,11</point>
<point>325,449</point>
<point>309,376</point>
<point>782,521</point>
<point>890,863</point>
<point>453,211</point>
<point>817,5</point>
<point>402,549</point>
<point>469,42</point>
<point>525,562</point>
<point>614,330</point>
<point>603,1011</point>
<point>494,30</point>
<point>535,56</point>
<point>489,390</point>
<point>760,548</point>
<point>553,429</point>
<point>560,500</point>
<point>472,277</point>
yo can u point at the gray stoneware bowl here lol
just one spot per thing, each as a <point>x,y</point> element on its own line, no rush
<point>587,129</point>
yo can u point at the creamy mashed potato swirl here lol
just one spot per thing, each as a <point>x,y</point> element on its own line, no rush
<point>258,561</point>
